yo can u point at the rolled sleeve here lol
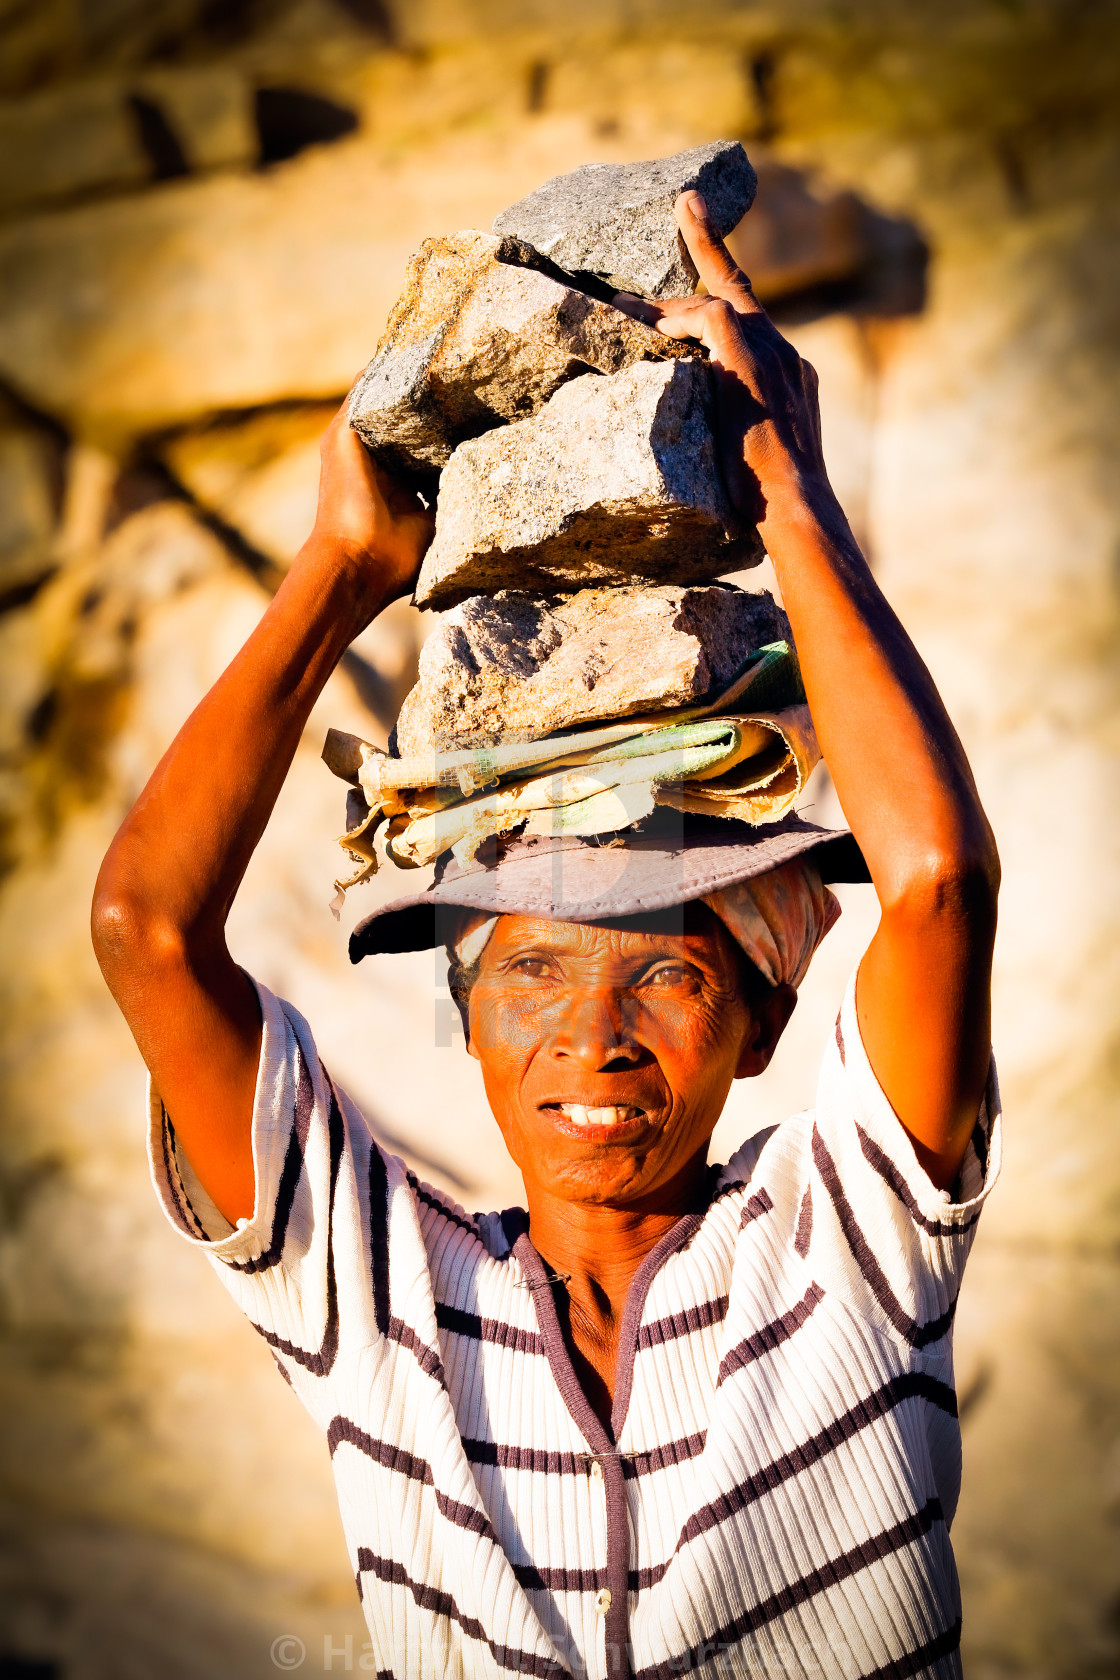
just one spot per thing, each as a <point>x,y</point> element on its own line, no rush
<point>301,1256</point>
<point>276,1116</point>
<point>882,1233</point>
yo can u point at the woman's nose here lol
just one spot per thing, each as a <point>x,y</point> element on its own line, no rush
<point>593,1031</point>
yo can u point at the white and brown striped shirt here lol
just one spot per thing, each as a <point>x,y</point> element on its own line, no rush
<point>774,1494</point>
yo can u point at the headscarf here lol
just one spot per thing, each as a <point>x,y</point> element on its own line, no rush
<point>778,918</point>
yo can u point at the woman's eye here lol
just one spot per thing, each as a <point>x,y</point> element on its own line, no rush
<point>670,975</point>
<point>533,968</point>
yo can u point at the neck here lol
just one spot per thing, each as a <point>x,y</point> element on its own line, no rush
<point>600,1246</point>
<point>597,1248</point>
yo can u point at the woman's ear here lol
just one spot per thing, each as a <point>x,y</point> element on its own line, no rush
<point>769,1017</point>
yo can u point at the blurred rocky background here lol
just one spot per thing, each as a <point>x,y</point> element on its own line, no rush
<point>206,207</point>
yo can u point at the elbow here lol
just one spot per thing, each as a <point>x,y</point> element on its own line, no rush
<point>129,935</point>
<point>954,882</point>
<point>115,926</point>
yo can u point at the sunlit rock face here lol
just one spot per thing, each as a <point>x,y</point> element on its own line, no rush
<point>517,666</point>
<point>201,260</point>
<point>477,338</point>
<point>615,222</point>
<point>614,479</point>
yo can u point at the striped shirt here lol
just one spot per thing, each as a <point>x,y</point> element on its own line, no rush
<point>774,1494</point>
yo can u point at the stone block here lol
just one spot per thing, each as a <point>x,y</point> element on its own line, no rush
<point>615,479</point>
<point>477,339</point>
<point>209,109</point>
<point>515,666</point>
<point>615,221</point>
<point>64,141</point>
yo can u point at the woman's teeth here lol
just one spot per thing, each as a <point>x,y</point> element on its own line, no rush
<point>581,1116</point>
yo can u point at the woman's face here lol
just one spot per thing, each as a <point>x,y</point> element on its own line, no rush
<point>608,1051</point>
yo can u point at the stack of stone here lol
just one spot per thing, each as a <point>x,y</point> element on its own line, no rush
<point>586,666</point>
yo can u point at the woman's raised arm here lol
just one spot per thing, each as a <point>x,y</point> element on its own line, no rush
<point>923,994</point>
<point>169,878</point>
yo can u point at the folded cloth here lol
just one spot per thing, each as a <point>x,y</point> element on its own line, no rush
<point>778,919</point>
<point>758,766</point>
<point>587,782</point>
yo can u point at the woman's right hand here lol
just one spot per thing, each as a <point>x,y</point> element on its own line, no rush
<point>364,512</point>
<point>168,881</point>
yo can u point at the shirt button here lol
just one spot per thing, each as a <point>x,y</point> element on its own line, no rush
<point>603,1601</point>
<point>596,1470</point>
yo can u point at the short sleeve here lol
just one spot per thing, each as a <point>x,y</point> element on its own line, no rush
<point>299,1268</point>
<point>873,1226</point>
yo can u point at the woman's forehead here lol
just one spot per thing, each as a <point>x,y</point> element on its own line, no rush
<point>675,928</point>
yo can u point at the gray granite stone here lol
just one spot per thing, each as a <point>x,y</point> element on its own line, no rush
<point>615,221</point>
<point>516,666</point>
<point>615,479</point>
<point>478,338</point>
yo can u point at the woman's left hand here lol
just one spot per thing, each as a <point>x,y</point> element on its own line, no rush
<point>769,417</point>
<point>900,771</point>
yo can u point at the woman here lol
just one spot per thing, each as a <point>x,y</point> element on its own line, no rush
<point>671,1418</point>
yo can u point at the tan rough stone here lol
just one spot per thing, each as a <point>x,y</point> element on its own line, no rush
<point>795,237</point>
<point>64,141</point>
<point>477,339</point>
<point>975,442</point>
<point>260,475</point>
<point>615,479</point>
<point>211,294</point>
<point>209,108</point>
<point>514,666</point>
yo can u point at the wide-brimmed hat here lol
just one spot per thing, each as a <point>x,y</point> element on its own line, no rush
<point>672,859</point>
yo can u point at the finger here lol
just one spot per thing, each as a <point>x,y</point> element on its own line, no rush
<point>673,318</point>
<point>639,308</point>
<point>715,265</point>
<point>339,433</point>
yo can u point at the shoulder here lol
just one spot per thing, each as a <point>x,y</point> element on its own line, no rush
<point>441,1217</point>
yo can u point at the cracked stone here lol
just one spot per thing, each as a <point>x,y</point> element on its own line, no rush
<point>615,479</point>
<point>515,666</point>
<point>477,339</point>
<point>616,222</point>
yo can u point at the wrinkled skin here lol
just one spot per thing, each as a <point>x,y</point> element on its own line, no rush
<point>626,1015</point>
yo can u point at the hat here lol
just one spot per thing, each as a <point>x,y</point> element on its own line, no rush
<point>673,858</point>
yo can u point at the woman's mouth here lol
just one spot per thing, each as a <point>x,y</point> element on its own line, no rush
<point>617,1114</point>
